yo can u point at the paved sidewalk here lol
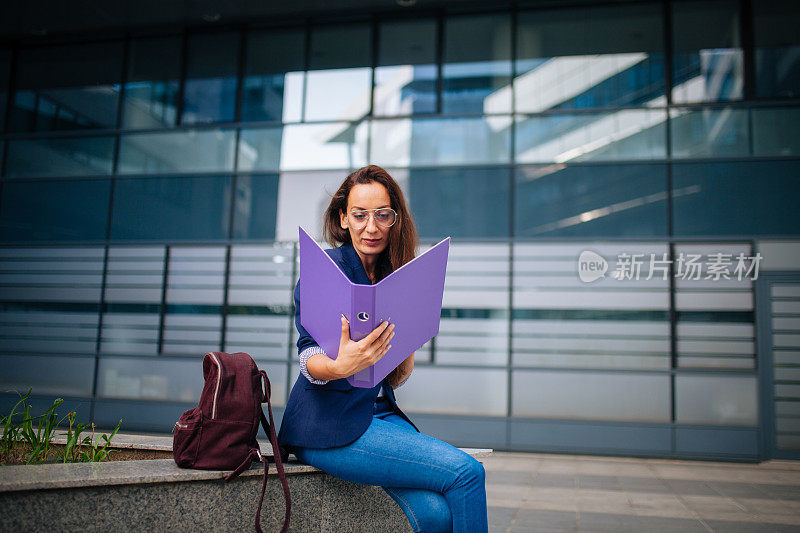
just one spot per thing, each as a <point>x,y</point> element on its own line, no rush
<point>543,492</point>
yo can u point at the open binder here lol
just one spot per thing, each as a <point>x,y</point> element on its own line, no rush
<point>410,298</point>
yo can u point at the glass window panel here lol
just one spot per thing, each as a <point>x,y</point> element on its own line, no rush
<point>31,330</point>
<point>261,335</point>
<point>255,206</point>
<point>195,292</point>
<point>596,344</point>
<point>776,131</point>
<point>179,151</point>
<point>450,141</point>
<point>68,277</point>
<point>133,290</point>
<point>709,132</point>
<point>134,333</point>
<point>405,79</point>
<point>708,399</point>
<point>304,147</point>
<point>54,210</point>
<point>195,284</point>
<point>477,64</point>
<point>547,285</point>
<point>707,341</point>
<point>261,275</point>
<point>457,391</point>
<point>67,87</point>
<point>714,289</point>
<point>473,341</point>
<point>302,200</point>
<point>153,83</point>
<point>339,77</point>
<point>5,71</point>
<point>777,48</point>
<point>736,198</point>
<point>67,156</point>
<point>625,134</point>
<point>469,203</point>
<point>707,61</point>
<point>260,149</point>
<point>596,200</point>
<point>63,376</point>
<point>273,82</point>
<point>134,276</point>
<point>589,396</point>
<point>477,281</point>
<point>193,330</point>
<point>589,57</point>
<point>150,379</point>
<point>171,208</point>
<point>210,91</point>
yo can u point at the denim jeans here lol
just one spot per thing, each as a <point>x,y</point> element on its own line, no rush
<point>439,487</point>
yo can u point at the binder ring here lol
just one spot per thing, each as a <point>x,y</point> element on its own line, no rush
<point>362,316</point>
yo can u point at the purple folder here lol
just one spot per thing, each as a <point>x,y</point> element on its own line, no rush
<point>410,298</point>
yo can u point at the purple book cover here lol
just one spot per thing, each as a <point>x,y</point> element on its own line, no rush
<point>410,298</point>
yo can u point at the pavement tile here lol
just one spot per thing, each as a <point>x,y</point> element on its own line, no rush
<point>554,480</point>
<point>540,492</point>
<point>543,519</point>
<point>508,477</point>
<point>500,518</point>
<point>658,524</point>
<point>739,490</point>
<point>690,486</point>
<point>608,522</point>
<point>763,506</point>
<point>723,526</point>
<point>598,482</point>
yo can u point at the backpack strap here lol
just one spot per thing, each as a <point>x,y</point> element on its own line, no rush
<point>255,455</point>
<point>269,429</point>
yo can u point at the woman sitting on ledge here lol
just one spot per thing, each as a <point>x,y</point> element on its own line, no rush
<point>361,435</point>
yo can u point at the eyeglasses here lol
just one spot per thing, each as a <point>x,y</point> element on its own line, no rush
<point>384,217</point>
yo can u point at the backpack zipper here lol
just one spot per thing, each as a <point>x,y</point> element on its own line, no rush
<point>219,379</point>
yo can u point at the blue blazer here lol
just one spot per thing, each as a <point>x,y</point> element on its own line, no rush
<point>334,414</point>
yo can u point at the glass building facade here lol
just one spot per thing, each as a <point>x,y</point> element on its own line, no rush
<point>152,184</point>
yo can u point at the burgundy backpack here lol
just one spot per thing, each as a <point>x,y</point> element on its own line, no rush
<point>220,433</point>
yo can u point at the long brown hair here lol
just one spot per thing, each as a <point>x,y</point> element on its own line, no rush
<point>402,235</point>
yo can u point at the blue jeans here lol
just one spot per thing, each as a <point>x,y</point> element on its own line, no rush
<point>438,486</point>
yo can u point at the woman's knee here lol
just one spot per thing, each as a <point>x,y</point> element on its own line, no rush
<point>471,471</point>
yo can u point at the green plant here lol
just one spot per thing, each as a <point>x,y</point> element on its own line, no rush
<point>37,433</point>
<point>41,439</point>
<point>96,452</point>
<point>69,452</point>
<point>11,431</point>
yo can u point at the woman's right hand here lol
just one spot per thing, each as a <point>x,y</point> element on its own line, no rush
<point>355,356</point>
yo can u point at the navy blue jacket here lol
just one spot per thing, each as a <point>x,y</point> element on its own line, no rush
<point>334,414</point>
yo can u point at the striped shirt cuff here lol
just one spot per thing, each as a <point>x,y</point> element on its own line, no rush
<point>304,355</point>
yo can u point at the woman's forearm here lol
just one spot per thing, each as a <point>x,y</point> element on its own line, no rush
<point>320,366</point>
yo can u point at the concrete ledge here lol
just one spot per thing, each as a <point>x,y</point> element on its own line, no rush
<point>157,495</point>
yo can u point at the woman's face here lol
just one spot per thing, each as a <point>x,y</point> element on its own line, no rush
<point>372,239</point>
